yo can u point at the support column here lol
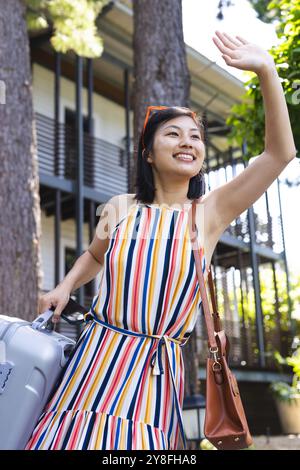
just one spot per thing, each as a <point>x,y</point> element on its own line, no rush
<point>90,89</point>
<point>256,285</point>
<point>57,219</point>
<point>79,168</point>
<point>292,323</point>
<point>279,338</point>
<point>130,183</point>
<point>243,319</point>
<point>92,205</point>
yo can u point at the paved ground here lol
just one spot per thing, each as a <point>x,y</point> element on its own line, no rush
<point>282,442</point>
<point>287,442</point>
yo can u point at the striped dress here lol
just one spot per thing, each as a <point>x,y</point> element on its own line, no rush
<point>123,387</point>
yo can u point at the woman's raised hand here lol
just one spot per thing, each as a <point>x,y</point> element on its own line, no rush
<point>238,52</point>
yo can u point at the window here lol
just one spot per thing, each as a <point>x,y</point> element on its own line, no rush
<point>70,148</point>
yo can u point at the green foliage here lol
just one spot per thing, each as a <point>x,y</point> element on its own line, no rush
<point>294,362</point>
<point>247,120</point>
<point>73,23</point>
<point>276,318</point>
<point>205,444</point>
<point>267,294</point>
<point>282,390</point>
<point>264,14</point>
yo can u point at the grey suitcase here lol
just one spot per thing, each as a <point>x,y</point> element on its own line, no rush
<point>32,359</point>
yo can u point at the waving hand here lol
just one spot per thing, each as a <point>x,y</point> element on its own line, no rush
<point>241,54</point>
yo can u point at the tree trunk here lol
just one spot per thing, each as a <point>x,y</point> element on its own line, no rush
<point>161,78</point>
<point>161,75</point>
<point>20,277</point>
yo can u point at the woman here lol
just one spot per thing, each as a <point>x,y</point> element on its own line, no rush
<point>123,388</point>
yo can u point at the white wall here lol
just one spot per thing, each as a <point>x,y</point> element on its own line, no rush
<point>43,91</point>
<point>109,117</point>
<point>68,239</point>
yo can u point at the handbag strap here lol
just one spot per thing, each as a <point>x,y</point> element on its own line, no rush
<point>215,314</point>
<point>212,321</point>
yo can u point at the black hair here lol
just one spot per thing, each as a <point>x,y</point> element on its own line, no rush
<point>144,183</point>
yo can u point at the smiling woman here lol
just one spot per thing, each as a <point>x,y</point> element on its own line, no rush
<point>170,134</point>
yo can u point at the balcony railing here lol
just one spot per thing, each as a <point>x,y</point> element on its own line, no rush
<point>104,163</point>
<point>267,221</point>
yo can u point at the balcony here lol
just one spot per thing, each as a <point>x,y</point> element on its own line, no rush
<point>105,165</point>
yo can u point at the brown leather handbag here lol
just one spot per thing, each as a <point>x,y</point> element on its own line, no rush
<point>225,424</point>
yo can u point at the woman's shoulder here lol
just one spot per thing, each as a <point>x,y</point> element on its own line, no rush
<point>123,203</point>
<point>128,200</point>
<point>121,200</point>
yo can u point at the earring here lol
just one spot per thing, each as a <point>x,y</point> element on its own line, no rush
<point>145,157</point>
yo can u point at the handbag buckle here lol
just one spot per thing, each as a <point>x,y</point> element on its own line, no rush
<point>214,352</point>
<point>216,365</point>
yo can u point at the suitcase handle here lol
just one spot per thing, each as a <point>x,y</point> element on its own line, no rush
<point>72,306</point>
<point>42,320</point>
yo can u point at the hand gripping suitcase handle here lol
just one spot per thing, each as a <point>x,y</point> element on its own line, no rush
<point>42,320</point>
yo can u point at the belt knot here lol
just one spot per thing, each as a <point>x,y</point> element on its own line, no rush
<point>156,359</point>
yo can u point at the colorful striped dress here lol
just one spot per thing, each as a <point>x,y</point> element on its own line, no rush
<point>123,387</point>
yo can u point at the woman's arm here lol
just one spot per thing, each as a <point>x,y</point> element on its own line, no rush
<point>84,270</point>
<point>231,199</point>
<point>279,141</point>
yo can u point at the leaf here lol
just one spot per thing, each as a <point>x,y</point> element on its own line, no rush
<point>74,24</point>
<point>35,21</point>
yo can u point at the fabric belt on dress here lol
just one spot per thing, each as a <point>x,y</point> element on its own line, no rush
<point>156,359</point>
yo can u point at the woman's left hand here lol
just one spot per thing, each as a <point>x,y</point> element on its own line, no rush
<point>238,52</point>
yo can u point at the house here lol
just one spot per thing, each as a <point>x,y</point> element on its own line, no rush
<point>68,90</point>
